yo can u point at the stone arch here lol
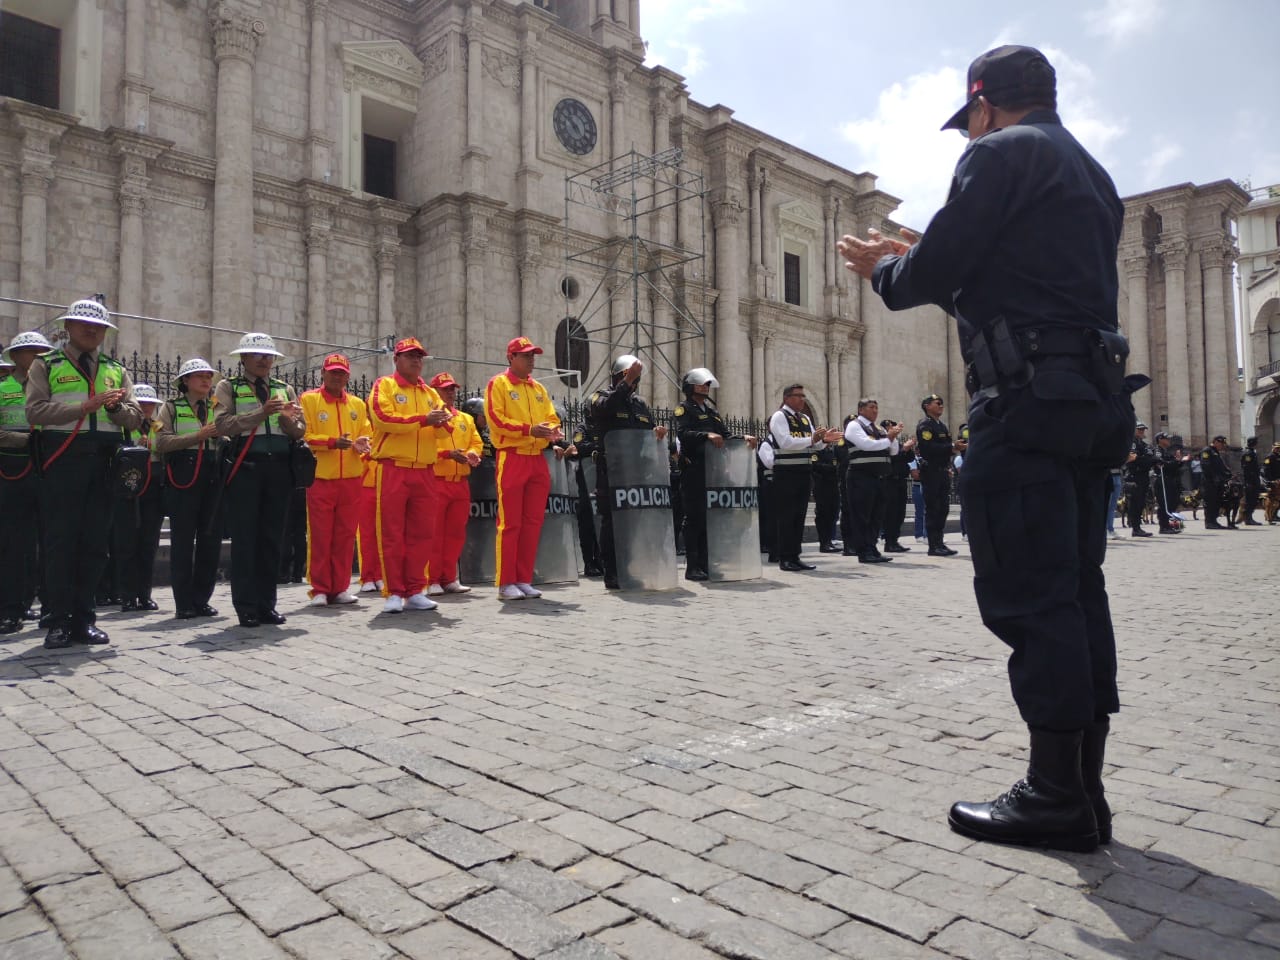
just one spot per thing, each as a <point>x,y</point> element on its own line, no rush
<point>1264,333</point>
<point>1267,425</point>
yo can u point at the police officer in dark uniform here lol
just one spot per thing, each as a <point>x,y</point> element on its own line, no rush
<point>897,487</point>
<point>1168,482</point>
<point>585,446</point>
<point>934,448</point>
<point>1023,255</point>
<point>1251,473</point>
<point>796,441</point>
<point>82,401</point>
<point>1214,475</point>
<point>826,497</point>
<point>698,423</point>
<point>870,464</point>
<point>262,417</point>
<point>1138,478</point>
<point>1271,470</point>
<point>620,408</point>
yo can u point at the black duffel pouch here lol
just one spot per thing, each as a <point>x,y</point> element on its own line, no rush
<point>129,471</point>
<point>302,464</point>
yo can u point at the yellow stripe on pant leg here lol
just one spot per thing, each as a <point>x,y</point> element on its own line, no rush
<point>501,457</point>
<point>377,523</point>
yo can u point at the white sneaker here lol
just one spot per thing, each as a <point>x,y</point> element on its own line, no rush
<point>319,600</point>
<point>346,596</point>
<point>394,604</point>
<point>368,587</point>
<point>510,592</point>
<point>456,587</point>
<point>434,590</point>
<point>528,591</point>
<point>1114,535</point>
<point>919,539</point>
<point>420,601</point>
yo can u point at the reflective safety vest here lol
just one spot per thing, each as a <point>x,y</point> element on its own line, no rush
<point>799,426</point>
<point>186,423</point>
<point>268,438</point>
<point>13,405</point>
<point>67,384</point>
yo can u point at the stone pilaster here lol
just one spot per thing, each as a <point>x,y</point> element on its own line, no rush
<point>319,143</point>
<point>475,250</point>
<point>136,152</point>
<point>1195,348</point>
<point>835,358</point>
<point>235,46</point>
<point>1137,325</point>
<point>735,396</point>
<point>527,175</point>
<point>317,231</point>
<point>1173,251</point>
<point>388,218</point>
<point>1218,365</point>
<point>474,158</point>
<point>137,94</point>
<point>1232,427</point>
<point>39,131</point>
<point>617,114</point>
<point>762,333</point>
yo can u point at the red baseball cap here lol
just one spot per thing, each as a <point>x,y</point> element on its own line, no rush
<point>522,345</point>
<point>411,345</point>
<point>336,361</point>
<point>442,380</point>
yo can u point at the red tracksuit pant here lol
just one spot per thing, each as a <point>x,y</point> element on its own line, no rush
<point>370,564</point>
<point>332,514</point>
<point>406,513</point>
<point>453,507</point>
<point>523,485</point>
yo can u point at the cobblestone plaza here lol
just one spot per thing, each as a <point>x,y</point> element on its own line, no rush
<point>759,770</point>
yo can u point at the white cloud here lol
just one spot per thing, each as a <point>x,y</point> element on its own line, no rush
<point>666,25</point>
<point>1153,166</point>
<point>901,144</point>
<point>1089,122</point>
<point>1119,20</point>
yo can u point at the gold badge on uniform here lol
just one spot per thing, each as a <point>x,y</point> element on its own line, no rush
<point>926,434</point>
<point>680,410</point>
<point>401,398</point>
<point>323,417</point>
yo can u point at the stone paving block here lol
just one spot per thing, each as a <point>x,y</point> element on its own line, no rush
<point>405,863</point>
<point>599,803</point>
<point>676,909</point>
<point>317,863</point>
<point>975,941</point>
<point>599,836</point>
<point>343,828</point>
<point>94,918</point>
<point>644,940</point>
<point>1069,940</point>
<point>517,925</point>
<point>1178,907</point>
<point>461,846</point>
<point>1079,906</point>
<point>275,901</point>
<point>536,843</point>
<point>861,941</point>
<point>683,805</point>
<point>366,800</point>
<point>176,899</point>
<point>25,926</point>
<point>468,813</point>
<point>12,893</point>
<point>752,939</point>
<point>225,937</point>
<point>996,908</point>
<point>767,865</point>
<point>591,916</point>
<point>39,852</point>
<point>582,950</point>
<point>42,945</point>
<point>223,860</point>
<point>449,890</point>
<point>335,937</point>
<point>264,828</point>
<point>881,907</point>
<point>547,891</point>
<point>379,904</point>
<point>181,825</point>
<point>673,831</point>
<point>442,939</point>
<point>778,907</point>
<point>678,780</point>
<point>872,868</point>
<point>675,866</point>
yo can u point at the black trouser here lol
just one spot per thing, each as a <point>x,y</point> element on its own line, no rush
<point>257,501</point>
<point>896,490</point>
<point>76,508</point>
<point>1139,486</point>
<point>768,522</point>
<point>693,491</point>
<point>586,521</point>
<point>1252,493</point>
<point>293,548</point>
<point>866,500</point>
<point>677,508</point>
<point>1035,492</point>
<point>135,537</point>
<point>1163,499</point>
<point>846,509</point>
<point>608,557</point>
<point>935,487</point>
<point>791,484</point>
<point>1212,490</point>
<point>21,557</point>
<point>195,538</point>
<point>826,503</point>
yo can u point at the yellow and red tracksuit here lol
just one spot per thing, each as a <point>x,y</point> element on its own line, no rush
<point>513,407</point>
<point>453,495</point>
<point>405,449</point>
<point>333,501</point>
<point>367,533</point>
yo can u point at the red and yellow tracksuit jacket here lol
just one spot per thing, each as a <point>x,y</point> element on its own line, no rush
<point>396,407</point>
<point>462,436</point>
<point>329,418</point>
<point>512,406</point>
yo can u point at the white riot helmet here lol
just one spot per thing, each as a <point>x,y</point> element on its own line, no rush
<point>145,393</point>
<point>194,365</point>
<point>88,311</point>
<point>622,365</point>
<point>257,343</point>
<point>696,378</point>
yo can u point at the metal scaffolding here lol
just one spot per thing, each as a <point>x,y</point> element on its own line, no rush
<point>635,190</point>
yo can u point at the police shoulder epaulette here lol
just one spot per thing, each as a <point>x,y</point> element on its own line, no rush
<point>679,411</point>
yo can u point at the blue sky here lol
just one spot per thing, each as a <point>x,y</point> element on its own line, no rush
<point>1161,91</point>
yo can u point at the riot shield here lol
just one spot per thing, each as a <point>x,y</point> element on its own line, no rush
<point>733,518</point>
<point>478,563</point>
<point>558,558</point>
<point>589,478</point>
<point>640,503</point>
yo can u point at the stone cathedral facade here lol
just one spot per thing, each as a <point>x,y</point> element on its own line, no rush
<point>341,172</point>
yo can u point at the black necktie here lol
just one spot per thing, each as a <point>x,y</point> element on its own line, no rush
<point>86,366</point>
<point>202,411</point>
<point>260,388</point>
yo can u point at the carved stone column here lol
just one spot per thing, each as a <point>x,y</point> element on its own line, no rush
<point>235,45</point>
<point>318,140</point>
<point>136,153</point>
<point>617,114</point>
<point>529,262</point>
<point>735,395</point>
<point>1173,251</point>
<point>663,229</point>
<point>766,227</point>
<point>137,95</point>
<point>475,249</point>
<point>527,175</point>
<point>388,218</point>
<point>835,403</point>
<point>474,158</point>
<point>1232,426</point>
<point>1136,328</point>
<point>39,130</point>
<point>319,228</point>
<point>1195,347</point>
<point>829,298</point>
<point>1219,366</point>
<point>754,179</point>
<point>762,332</point>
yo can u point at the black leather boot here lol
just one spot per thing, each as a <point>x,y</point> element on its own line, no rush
<point>1047,808</point>
<point>1093,748</point>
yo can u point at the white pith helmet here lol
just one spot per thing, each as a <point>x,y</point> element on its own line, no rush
<point>145,393</point>
<point>5,362</point>
<point>88,311</point>
<point>29,340</point>
<point>257,343</point>
<point>194,365</point>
